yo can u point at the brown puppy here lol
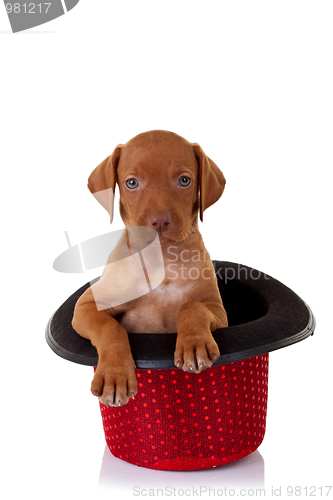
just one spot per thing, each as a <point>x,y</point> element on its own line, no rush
<point>164,182</point>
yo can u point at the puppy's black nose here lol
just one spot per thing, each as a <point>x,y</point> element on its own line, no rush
<point>160,222</point>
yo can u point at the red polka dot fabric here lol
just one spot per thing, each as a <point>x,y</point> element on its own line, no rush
<point>188,421</point>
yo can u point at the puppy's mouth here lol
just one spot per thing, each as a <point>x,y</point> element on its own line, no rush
<point>165,238</point>
<point>170,235</point>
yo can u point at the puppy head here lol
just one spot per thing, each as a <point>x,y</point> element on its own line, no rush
<point>164,181</point>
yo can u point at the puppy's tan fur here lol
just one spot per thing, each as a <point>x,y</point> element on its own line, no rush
<point>188,300</point>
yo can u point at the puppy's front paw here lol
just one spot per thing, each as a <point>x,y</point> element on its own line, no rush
<point>114,385</point>
<point>194,353</point>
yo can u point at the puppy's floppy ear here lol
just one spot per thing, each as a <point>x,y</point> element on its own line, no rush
<point>211,181</point>
<point>102,181</point>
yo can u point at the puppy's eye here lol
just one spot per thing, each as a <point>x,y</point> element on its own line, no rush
<point>132,183</point>
<point>184,181</point>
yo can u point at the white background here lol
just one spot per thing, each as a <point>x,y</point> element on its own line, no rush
<point>252,83</point>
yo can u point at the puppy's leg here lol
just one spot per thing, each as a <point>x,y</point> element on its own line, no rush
<point>115,380</point>
<point>196,348</point>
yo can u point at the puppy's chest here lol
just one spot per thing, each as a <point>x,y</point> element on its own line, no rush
<point>157,311</point>
<point>171,292</point>
<point>180,284</point>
